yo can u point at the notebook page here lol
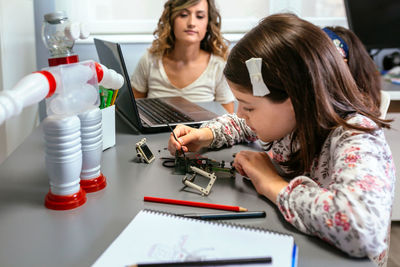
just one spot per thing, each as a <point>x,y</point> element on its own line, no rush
<point>157,237</point>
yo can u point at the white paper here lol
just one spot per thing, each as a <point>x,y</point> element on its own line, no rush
<point>155,237</point>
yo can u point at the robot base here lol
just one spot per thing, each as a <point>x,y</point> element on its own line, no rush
<point>57,202</point>
<point>93,185</point>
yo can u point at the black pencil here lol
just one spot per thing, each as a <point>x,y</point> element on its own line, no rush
<point>225,215</point>
<point>176,139</point>
<point>220,262</point>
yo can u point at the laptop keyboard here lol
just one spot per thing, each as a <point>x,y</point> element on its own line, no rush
<point>159,112</point>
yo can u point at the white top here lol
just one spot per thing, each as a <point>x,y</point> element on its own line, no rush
<point>150,77</point>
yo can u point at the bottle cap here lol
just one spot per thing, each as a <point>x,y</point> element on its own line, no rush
<point>72,31</point>
<point>93,185</point>
<point>58,202</point>
<point>55,17</point>
<point>85,32</point>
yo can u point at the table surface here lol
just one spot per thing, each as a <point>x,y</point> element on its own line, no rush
<point>393,138</point>
<point>392,89</point>
<point>31,235</point>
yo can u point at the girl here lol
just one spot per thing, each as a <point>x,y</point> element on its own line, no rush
<point>361,65</point>
<point>296,93</point>
<point>187,56</point>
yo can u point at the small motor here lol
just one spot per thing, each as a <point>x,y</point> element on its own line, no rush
<point>143,152</point>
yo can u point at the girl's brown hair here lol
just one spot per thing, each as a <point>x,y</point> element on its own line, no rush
<point>362,67</point>
<point>300,62</point>
<point>213,41</point>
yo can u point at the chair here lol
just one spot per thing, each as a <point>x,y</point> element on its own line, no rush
<point>385,102</point>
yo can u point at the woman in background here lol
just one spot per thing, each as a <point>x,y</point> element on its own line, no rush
<point>187,57</point>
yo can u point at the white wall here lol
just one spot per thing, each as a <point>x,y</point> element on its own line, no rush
<point>17,59</point>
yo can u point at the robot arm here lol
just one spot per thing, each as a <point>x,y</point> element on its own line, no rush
<point>108,78</point>
<point>56,80</point>
<point>29,90</point>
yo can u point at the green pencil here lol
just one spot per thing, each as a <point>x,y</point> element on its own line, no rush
<point>102,104</point>
<point>109,97</point>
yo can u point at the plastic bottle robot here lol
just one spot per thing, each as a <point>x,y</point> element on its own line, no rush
<point>72,128</point>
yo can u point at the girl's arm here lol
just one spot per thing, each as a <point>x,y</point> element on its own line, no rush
<point>228,130</point>
<point>347,198</point>
<point>224,130</point>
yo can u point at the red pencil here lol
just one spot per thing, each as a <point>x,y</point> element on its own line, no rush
<point>194,204</point>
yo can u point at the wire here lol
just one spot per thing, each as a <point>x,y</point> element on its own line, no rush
<point>168,162</point>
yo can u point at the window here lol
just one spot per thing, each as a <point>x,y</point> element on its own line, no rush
<point>319,12</point>
<point>138,17</point>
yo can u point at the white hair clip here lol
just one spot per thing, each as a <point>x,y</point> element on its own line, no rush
<point>254,67</point>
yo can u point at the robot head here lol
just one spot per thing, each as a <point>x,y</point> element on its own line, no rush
<point>59,35</point>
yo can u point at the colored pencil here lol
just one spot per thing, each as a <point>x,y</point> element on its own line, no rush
<point>102,101</point>
<point>109,97</point>
<point>261,260</point>
<point>194,204</point>
<point>225,215</point>
<point>114,97</point>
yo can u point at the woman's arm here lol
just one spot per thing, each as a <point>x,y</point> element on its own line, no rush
<point>229,107</point>
<point>138,94</point>
<point>139,78</point>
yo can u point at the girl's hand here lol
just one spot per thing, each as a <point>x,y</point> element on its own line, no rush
<point>190,139</point>
<point>262,173</point>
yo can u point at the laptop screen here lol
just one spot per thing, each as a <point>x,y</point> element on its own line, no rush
<point>110,55</point>
<point>155,112</point>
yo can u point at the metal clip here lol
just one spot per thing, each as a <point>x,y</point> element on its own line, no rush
<point>189,181</point>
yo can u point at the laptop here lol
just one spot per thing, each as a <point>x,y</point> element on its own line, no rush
<point>148,115</point>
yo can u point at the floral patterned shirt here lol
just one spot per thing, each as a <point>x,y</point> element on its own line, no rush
<point>346,198</point>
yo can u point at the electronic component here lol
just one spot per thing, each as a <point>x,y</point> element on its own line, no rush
<point>182,165</point>
<point>189,181</point>
<point>193,165</point>
<point>143,151</point>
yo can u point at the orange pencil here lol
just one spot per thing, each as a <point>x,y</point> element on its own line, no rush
<point>114,97</point>
<point>194,204</point>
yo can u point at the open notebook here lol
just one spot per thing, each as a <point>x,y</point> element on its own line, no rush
<point>154,236</point>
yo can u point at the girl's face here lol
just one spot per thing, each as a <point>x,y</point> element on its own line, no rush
<point>270,121</point>
<point>190,26</point>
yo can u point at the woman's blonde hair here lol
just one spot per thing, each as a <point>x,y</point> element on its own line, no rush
<point>164,42</point>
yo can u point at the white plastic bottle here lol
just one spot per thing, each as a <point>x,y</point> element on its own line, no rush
<point>92,179</point>
<point>28,91</point>
<point>63,162</point>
